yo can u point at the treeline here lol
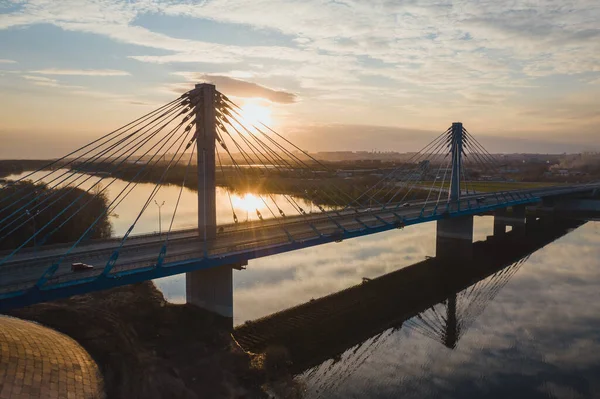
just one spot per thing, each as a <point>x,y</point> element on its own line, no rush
<point>18,228</point>
<point>322,188</point>
<point>13,167</point>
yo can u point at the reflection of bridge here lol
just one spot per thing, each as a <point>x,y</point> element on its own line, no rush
<point>438,298</point>
<point>160,143</point>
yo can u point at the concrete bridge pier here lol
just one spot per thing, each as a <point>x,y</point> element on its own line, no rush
<point>210,289</point>
<point>519,219</point>
<point>499,223</point>
<point>516,219</point>
<point>454,238</point>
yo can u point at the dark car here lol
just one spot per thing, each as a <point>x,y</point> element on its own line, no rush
<point>78,267</point>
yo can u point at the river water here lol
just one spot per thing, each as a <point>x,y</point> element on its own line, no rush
<point>538,338</point>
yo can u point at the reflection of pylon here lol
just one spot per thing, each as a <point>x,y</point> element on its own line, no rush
<point>461,309</point>
<point>451,332</point>
<point>329,376</point>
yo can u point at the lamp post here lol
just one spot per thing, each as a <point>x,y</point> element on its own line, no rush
<point>32,216</point>
<point>159,217</point>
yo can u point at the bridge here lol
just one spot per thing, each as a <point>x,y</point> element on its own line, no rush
<point>203,136</point>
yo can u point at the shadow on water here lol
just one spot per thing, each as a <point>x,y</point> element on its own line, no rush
<point>437,298</point>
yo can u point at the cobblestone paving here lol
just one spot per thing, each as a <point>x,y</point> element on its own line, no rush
<point>38,362</point>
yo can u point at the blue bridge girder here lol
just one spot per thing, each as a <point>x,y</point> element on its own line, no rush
<point>235,243</point>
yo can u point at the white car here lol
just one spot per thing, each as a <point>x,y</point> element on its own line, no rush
<point>78,267</point>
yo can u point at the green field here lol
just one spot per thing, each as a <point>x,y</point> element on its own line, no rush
<point>490,186</point>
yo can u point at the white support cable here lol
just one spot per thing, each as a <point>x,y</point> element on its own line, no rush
<point>257,162</point>
<point>393,173</point>
<point>3,260</point>
<point>112,260</point>
<point>289,154</point>
<point>53,194</point>
<point>234,162</point>
<point>444,181</point>
<point>323,211</point>
<point>71,174</point>
<point>235,218</point>
<point>485,154</point>
<point>135,181</point>
<point>252,148</point>
<point>273,160</point>
<point>485,164</point>
<point>408,168</point>
<point>141,141</point>
<point>435,180</point>
<point>183,138</point>
<point>438,148</point>
<point>290,200</point>
<point>45,167</point>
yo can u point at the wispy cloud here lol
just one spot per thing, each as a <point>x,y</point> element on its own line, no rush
<point>241,88</point>
<point>415,64</point>
<point>5,61</point>
<point>48,82</point>
<point>81,72</point>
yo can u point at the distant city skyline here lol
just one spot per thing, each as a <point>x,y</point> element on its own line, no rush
<point>344,75</point>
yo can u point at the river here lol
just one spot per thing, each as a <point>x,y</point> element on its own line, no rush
<point>538,338</point>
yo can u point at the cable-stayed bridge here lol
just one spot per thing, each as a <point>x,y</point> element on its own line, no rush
<point>203,139</point>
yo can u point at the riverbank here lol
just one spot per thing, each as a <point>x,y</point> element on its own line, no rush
<point>149,348</point>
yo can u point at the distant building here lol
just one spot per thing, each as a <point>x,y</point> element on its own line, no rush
<point>344,174</point>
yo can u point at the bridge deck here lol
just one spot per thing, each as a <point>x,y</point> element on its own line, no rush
<point>186,251</point>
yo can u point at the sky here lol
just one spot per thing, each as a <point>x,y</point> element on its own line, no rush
<point>385,75</point>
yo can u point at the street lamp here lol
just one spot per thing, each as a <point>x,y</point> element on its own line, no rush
<point>159,217</point>
<point>32,216</point>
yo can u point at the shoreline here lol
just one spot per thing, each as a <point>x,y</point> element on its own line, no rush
<point>149,348</point>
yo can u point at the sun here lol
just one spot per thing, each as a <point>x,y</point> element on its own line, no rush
<point>255,114</point>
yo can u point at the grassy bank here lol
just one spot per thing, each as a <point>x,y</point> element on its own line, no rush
<point>491,186</point>
<point>148,348</point>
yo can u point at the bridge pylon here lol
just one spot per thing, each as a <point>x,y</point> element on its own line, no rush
<point>210,289</point>
<point>456,152</point>
<point>206,132</point>
<point>454,236</point>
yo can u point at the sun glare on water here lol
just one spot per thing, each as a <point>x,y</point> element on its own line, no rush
<point>247,202</point>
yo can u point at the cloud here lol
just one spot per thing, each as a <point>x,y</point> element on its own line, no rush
<point>5,61</point>
<point>48,82</point>
<point>241,88</point>
<point>82,72</point>
<point>415,64</point>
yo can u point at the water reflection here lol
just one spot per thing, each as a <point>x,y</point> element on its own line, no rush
<point>439,298</point>
<point>244,204</point>
<point>538,338</point>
